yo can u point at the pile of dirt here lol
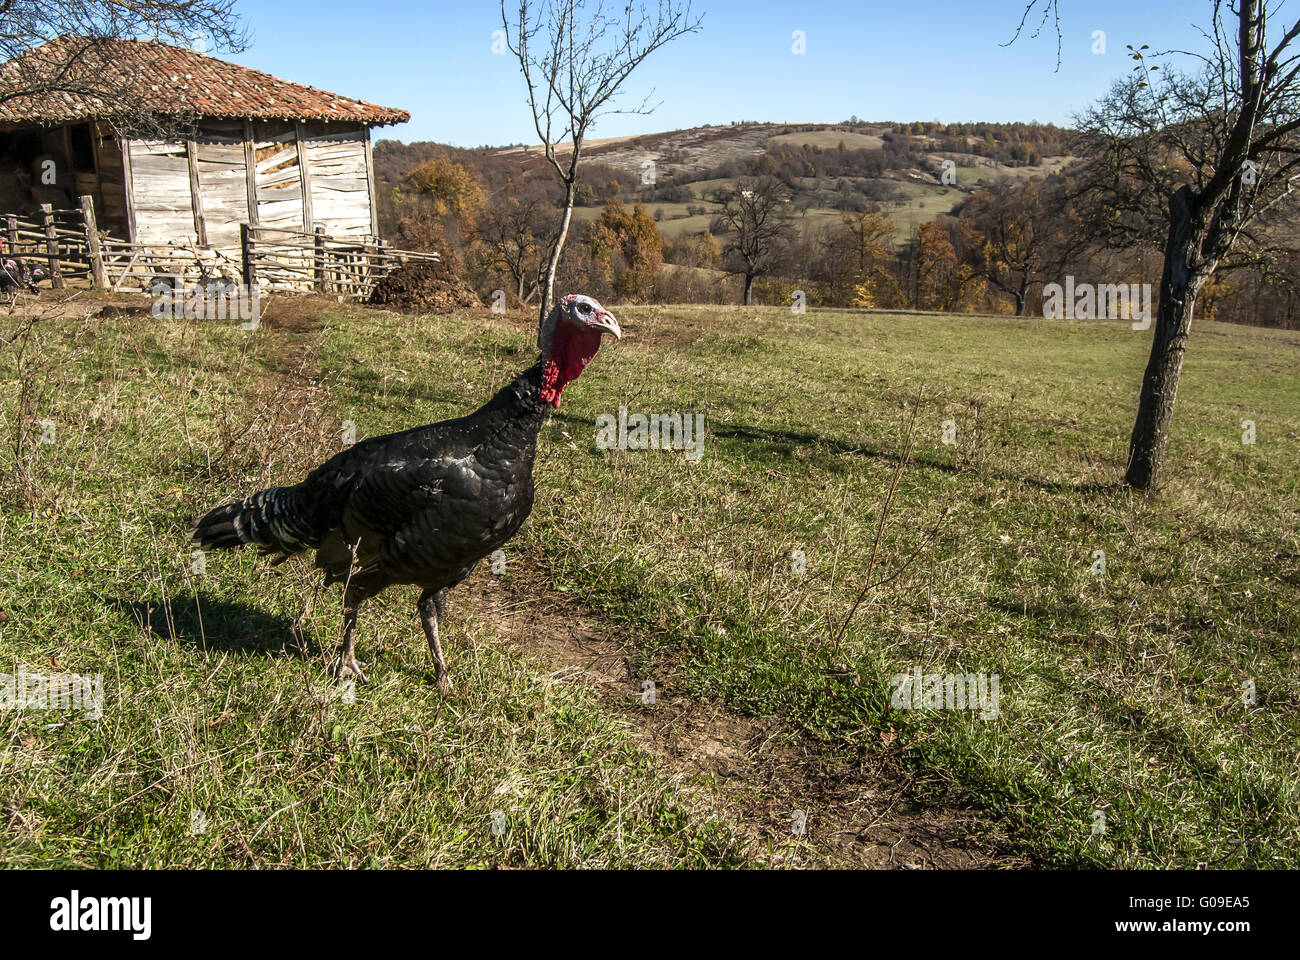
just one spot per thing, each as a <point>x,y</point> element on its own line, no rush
<point>424,287</point>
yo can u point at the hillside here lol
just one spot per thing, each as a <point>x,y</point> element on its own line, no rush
<point>968,218</point>
<point>684,155</point>
<point>830,168</point>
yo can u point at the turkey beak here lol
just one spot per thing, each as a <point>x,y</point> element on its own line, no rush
<point>606,323</point>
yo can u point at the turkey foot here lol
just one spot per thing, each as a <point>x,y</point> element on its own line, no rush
<point>444,683</point>
<point>347,667</point>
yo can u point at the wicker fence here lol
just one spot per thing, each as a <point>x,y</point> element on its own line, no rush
<point>70,243</point>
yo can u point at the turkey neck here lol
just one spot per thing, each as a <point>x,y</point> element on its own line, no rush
<point>511,420</point>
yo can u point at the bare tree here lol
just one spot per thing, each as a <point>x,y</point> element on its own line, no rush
<point>575,56</point>
<point>755,220</point>
<point>510,230</point>
<point>54,48</point>
<point>1051,11</point>
<point>1025,233</point>
<point>1205,162</point>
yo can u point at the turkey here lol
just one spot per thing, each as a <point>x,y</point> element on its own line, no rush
<point>424,506</point>
<point>16,276</point>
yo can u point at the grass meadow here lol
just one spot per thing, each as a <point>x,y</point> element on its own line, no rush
<point>877,493</point>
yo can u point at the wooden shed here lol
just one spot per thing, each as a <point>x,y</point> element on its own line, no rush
<point>254,150</point>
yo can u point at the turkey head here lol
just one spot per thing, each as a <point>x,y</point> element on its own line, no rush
<point>569,338</point>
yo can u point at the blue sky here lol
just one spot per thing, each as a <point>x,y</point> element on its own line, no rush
<point>878,59</point>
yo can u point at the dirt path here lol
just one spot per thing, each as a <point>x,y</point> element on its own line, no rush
<point>756,773</point>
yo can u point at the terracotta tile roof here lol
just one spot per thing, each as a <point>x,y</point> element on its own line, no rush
<point>166,80</point>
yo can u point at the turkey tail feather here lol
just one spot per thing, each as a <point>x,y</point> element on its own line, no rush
<point>270,520</point>
<point>217,530</point>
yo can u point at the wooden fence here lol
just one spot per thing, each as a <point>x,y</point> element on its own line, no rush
<point>142,265</point>
<point>59,238</point>
<point>292,260</point>
<point>271,259</point>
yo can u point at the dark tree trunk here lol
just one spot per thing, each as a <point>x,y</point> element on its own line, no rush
<point>749,289</point>
<point>1178,290</point>
<point>1022,301</point>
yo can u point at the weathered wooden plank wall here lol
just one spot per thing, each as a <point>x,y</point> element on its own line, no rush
<point>177,187</point>
<point>223,184</point>
<point>340,186</point>
<point>160,175</point>
<point>279,183</point>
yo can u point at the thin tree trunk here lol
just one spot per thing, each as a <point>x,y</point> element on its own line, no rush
<point>548,298</point>
<point>1178,290</point>
<point>749,289</point>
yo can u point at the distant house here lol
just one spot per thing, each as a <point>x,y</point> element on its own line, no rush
<point>255,149</point>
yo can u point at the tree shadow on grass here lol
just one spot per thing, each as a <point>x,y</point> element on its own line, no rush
<point>219,626</point>
<point>790,438</point>
<point>1065,618</point>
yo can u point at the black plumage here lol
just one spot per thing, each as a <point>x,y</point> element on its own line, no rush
<point>424,506</point>
<point>17,275</point>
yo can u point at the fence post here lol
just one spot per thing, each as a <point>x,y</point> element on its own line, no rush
<point>52,246</point>
<point>246,252</point>
<point>367,269</point>
<point>322,284</point>
<point>98,279</point>
<point>13,235</point>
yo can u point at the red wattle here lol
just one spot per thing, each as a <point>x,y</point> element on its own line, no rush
<point>571,351</point>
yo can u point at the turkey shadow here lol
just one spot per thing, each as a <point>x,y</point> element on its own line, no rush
<point>219,626</point>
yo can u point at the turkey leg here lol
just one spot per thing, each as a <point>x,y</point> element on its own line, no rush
<point>433,606</point>
<point>347,667</point>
